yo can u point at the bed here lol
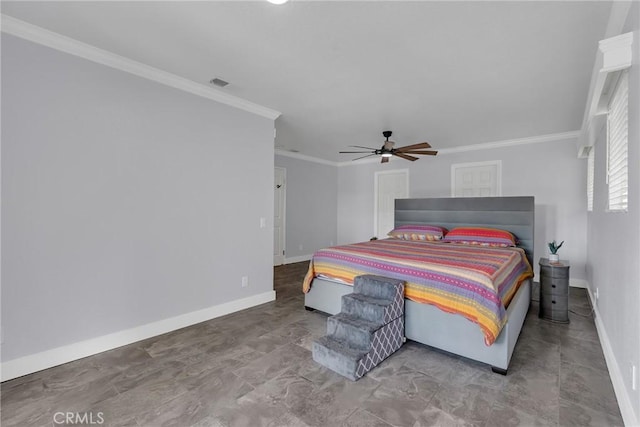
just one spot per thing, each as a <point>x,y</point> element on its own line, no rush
<point>430,325</point>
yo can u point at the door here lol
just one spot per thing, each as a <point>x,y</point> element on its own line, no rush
<point>279,196</point>
<point>480,179</point>
<point>389,186</point>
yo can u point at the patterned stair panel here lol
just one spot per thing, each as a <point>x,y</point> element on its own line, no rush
<point>386,341</point>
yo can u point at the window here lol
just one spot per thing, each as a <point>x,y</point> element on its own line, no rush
<point>590,171</point>
<point>617,142</point>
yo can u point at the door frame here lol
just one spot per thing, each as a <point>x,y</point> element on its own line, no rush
<point>284,214</point>
<point>375,192</point>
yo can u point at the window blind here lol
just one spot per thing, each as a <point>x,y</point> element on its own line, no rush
<point>617,146</point>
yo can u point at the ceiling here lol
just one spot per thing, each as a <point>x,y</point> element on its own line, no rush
<point>451,73</point>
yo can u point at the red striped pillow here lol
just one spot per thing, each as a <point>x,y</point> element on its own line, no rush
<point>418,232</point>
<point>481,236</point>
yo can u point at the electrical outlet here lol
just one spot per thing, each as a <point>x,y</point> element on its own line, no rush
<point>245,281</point>
<point>634,378</point>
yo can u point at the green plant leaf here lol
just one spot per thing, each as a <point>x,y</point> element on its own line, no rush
<point>553,246</point>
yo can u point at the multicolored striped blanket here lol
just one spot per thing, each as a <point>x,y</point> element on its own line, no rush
<point>475,281</point>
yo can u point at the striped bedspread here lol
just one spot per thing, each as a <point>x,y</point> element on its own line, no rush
<point>475,281</point>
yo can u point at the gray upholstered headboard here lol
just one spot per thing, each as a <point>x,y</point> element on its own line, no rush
<point>514,214</point>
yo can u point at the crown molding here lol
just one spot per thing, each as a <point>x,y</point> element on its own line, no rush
<point>561,136</point>
<point>617,17</point>
<point>513,142</point>
<point>305,157</point>
<point>367,161</point>
<point>39,35</point>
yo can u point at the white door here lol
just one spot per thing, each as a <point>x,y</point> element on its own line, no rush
<point>389,186</point>
<point>480,179</point>
<point>279,196</point>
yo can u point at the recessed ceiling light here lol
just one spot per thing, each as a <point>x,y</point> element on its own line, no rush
<point>277,1</point>
<point>218,82</point>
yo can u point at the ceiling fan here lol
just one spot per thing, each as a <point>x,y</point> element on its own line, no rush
<point>387,150</point>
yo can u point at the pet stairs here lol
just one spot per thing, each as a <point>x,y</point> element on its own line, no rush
<point>369,328</point>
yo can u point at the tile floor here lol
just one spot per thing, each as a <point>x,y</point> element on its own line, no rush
<point>254,368</point>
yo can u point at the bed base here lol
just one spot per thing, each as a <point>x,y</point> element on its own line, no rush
<point>431,326</point>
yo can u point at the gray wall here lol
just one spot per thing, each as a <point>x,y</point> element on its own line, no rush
<point>311,222</point>
<point>549,171</point>
<point>614,240</point>
<point>124,202</point>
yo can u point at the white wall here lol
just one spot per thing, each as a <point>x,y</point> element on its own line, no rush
<point>124,202</point>
<point>550,171</point>
<point>311,222</point>
<point>614,250</point>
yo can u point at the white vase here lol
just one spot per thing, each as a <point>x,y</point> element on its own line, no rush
<point>554,257</point>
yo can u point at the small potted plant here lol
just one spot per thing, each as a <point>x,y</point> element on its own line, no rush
<point>553,251</point>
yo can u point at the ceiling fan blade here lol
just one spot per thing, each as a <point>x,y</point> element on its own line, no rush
<point>405,156</point>
<point>384,160</point>
<point>428,152</point>
<point>414,147</point>
<point>353,152</point>
<point>368,155</point>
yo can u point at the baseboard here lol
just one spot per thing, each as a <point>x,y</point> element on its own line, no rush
<point>68,353</point>
<point>299,258</point>
<point>579,283</point>
<point>623,398</point>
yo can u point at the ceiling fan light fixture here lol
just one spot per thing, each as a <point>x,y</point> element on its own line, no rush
<point>386,154</point>
<point>277,1</point>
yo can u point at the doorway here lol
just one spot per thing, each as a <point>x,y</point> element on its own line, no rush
<point>279,209</point>
<point>388,186</point>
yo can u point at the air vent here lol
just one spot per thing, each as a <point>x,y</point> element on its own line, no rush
<point>218,82</point>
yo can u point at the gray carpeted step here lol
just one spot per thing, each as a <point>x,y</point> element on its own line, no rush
<point>366,307</point>
<point>337,356</point>
<point>376,286</point>
<point>356,331</point>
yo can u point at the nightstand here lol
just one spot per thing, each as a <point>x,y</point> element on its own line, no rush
<point>554,290</point>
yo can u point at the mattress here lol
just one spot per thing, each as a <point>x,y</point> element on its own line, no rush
<point>476,282</point>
